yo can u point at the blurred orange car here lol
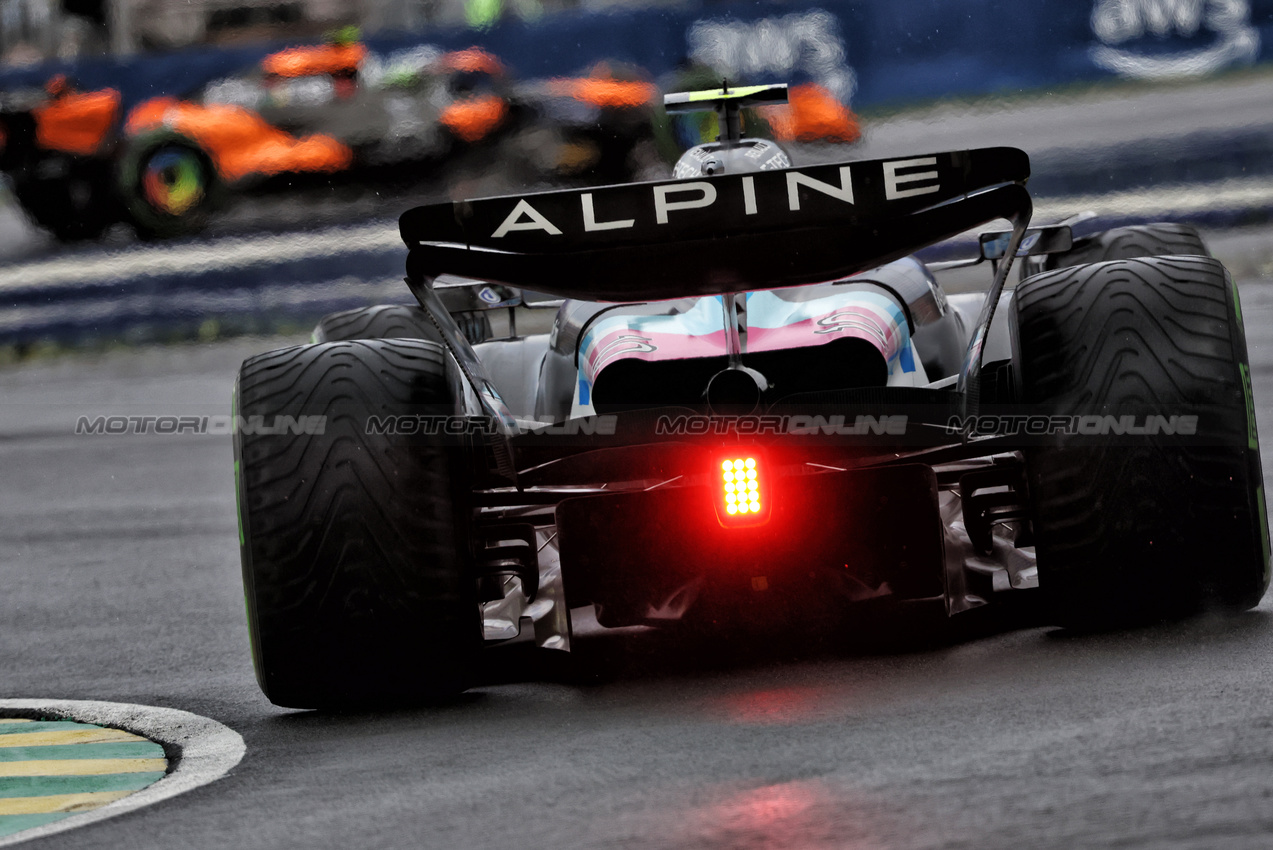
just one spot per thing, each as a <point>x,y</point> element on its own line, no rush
<point>812,114</point>
<point>302,114</point>
<point>57,145</point>
<point>302,111</point>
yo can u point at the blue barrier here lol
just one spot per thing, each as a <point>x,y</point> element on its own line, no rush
<point>876,51</point>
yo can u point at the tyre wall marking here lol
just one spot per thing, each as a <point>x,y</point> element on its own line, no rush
<point>110,759</point>
<point>1253,438</point>
<point>1264,530</point>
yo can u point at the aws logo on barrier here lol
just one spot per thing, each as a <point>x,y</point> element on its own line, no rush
<point>1155,39</point>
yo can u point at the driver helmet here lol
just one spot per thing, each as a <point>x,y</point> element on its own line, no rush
<point>739,157</point>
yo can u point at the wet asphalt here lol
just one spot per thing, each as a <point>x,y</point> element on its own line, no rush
<point>119,580</point>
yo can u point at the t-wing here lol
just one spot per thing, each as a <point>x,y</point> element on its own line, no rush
<point>729,233</point>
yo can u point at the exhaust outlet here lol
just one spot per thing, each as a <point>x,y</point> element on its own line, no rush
<point>735,390</point>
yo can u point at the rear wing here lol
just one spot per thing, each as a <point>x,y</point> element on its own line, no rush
<point>697,101</point>
<point>727,233</point>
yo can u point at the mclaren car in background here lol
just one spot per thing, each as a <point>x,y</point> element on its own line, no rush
<point>811,115</point>
<point>57,148</point>
<point>312,117</point>
<point>755,408</point>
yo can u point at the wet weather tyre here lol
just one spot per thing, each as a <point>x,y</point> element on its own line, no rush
<point>169,184</point>
<point>353,538</point>
<point>1135,527</point>
<point>395,321</point>
<point>385,321</point>
<point>1161,239</point>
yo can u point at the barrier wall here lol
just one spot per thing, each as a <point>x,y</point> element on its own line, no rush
<point>873,52</point>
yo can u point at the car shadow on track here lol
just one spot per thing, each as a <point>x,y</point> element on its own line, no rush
<point>1209,627</point>
<point>601,657</point>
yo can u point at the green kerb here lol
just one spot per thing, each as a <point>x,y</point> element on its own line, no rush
<point>11,824</point>
<point>125,750</point>
<point>44,786</point>
<point>44,726</point>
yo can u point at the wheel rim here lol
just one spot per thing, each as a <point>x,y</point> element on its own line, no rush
<point>174,180</point>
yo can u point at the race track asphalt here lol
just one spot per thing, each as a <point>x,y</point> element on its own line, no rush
<point>119,580</point>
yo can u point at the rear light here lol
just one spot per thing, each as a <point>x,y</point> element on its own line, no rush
<point>742,490</point>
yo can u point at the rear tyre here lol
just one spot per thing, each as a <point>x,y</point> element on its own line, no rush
<point>79,205</point>
<point>354,542</point>
<point>385,321</point>
<point>1142,526</point>
<point>1161,239</point>
<point>169,184</point>
<point>395,321</point>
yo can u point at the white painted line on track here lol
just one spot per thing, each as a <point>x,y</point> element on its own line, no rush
<point>225,254</point>
<point>237,252</point>
<point>1168,200</point>
<point>208,751</point>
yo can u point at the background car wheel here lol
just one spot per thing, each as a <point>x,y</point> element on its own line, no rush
<point>1134,527</point>
<point>169,184</point>
<point>396,321</point>
<point>1161,239</point>
<point>79,205</point>
<point>353,542</point>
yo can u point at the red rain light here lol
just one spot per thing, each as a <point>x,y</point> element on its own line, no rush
<point>743,493</point>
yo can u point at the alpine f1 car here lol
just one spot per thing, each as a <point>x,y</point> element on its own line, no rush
<point>754,406</point>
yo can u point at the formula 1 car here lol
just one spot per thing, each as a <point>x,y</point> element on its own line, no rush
<point>312,115</point>
<point>755,406</point>
<point>810,115</point>
<point>58,146</point>
<point>309,117</point>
